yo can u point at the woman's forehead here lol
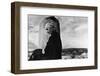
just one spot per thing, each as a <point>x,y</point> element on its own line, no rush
<point>50,22</point>
<point>47,25</point>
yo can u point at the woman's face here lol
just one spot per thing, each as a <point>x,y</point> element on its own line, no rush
<point>49,27</point>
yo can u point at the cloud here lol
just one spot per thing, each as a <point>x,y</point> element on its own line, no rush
<point>74,32</point>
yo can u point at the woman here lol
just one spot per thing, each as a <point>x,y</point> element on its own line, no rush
<point>51,42</point>
<point>53,47</point>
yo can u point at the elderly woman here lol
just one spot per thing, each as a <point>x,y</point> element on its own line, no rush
<point>53,47</point>
<point>51,42</point>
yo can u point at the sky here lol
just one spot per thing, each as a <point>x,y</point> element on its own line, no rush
<point>73,31</point>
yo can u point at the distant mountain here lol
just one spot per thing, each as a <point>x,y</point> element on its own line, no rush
<point>76,51</point>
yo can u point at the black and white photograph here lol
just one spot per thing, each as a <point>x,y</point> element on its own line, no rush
<point>53,37</point>
<point>57,37</point>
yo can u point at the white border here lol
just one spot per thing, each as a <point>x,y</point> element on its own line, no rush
<point>25,64</point>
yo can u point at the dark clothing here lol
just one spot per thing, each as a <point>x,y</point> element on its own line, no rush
<point>36,55</point>
<point>54,47</point>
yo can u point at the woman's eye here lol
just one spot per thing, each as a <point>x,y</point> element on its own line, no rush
<point>46,29</point>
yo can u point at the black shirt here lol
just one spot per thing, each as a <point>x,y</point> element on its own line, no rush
<point>54,47</point>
